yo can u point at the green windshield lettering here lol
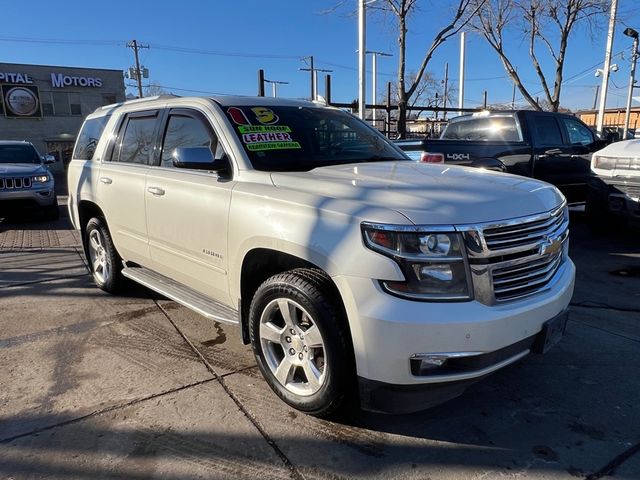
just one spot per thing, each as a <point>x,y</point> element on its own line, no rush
<point>256,147</point>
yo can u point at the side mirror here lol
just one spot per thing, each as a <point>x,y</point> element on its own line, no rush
<point>197,158</point>
<point>49,159</point>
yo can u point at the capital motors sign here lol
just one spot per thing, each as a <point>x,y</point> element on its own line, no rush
<point>59,80</point>
<point>21,101</point>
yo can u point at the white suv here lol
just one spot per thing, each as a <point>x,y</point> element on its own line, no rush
<point>352,271</point>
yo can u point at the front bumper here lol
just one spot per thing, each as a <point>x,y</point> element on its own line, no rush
<point>35,196</point>
<point>397,399</point>
<point>620,195</point>
<point>387,331</point>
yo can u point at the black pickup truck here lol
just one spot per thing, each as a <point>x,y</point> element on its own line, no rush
<point>553,147</point>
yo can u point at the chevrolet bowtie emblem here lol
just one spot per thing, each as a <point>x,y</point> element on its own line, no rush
<point>550,246</point>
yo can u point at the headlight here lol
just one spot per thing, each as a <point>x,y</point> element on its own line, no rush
<point>41,178</point>
<point>433,261</point>
<point>613,163</point>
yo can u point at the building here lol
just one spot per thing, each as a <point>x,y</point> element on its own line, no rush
<point>613,117</point>
<point>46,105</point>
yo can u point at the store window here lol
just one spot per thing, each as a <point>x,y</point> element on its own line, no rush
<point>61,104</point>
<point>74,104</point>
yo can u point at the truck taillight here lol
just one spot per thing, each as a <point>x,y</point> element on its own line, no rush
<point>428,157</point>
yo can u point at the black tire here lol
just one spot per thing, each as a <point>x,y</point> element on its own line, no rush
<point>105,264</point>
<point>599,218</point>
<point>52,212</point>
<point>311,290</point>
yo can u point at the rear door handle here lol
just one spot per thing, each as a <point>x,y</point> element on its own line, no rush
<point>157,191</point>
<point>106,180</point>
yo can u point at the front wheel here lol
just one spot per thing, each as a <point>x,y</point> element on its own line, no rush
<point>300,341</point>
<point>52,212</point>
<point>104,262</point>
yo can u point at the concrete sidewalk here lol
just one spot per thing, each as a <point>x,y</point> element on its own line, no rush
<point>138,387</point>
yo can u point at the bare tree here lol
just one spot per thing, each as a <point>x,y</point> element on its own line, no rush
<point>544,23</point>
<point>153,89</point>
<point>429,93</point>
<point>407,87</point>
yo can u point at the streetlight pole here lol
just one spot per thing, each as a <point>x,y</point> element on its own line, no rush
<point>374,88</point>
<point>607,65</point>
<point>446,90</point>
<point>274,86</point>
<point>361,58</point>
<point>461,86</point>
<point>630,32</point>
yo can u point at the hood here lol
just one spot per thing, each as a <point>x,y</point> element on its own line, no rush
<point>628,148</point>
<point>11,169</point>
<point>428,194</point>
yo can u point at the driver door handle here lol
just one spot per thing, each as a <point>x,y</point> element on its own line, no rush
<point>553,151</point>
<point>106,180</point>
<point>157,191</point>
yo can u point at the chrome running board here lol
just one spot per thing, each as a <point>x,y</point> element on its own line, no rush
<point>186,296</point>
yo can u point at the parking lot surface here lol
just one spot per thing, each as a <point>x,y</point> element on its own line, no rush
<point>137,387</point>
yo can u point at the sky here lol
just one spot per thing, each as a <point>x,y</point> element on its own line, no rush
<point>217,46</point>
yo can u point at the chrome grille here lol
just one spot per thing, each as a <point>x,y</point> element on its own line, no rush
<point>14,183</point>
<point>516,258</point>
<point>517,234</point>
<point>516,281</point>
<point>632,191</point>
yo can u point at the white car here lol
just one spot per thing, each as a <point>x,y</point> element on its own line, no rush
<point>348,267</point>
<point>614,189</point>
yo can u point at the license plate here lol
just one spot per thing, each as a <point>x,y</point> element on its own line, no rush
<point>551,333</point>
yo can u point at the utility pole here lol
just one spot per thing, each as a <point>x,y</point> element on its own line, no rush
<point>274,86</point>
<point>513,95</point>
<point>133,44</point>
<point>607,65</point>
<point>630,32</point>
<point>310,69</point>
<point>314,75</point>
<point>461,87</point>
<point>446,90</point>
<point>374,56</point>
<point>595,99</point>
<point>362,63</point>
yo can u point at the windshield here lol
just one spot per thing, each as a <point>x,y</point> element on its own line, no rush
<point>293,139</point>
<point>18,154</point>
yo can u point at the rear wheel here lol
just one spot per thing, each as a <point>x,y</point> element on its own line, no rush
<point>301,342</point>
<point>104,262</point>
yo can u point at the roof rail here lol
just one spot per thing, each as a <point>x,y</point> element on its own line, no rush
<point>136,100</point>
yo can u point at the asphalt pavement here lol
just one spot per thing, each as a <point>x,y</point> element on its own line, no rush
<point>138,387</point>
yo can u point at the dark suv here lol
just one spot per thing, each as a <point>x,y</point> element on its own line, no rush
<point>25,180</point>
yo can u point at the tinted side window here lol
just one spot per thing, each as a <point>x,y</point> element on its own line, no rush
<point>578,133</point>
<point>137,140</point>
<point>185,131</point>
<point>547,130</point>
<point>88,138</point>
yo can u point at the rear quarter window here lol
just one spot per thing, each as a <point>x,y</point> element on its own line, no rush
<point>88,138</point>
<point>504,129</point>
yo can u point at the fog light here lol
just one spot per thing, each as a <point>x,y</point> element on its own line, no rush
<point>425,364</point>
<point>428,363</point>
